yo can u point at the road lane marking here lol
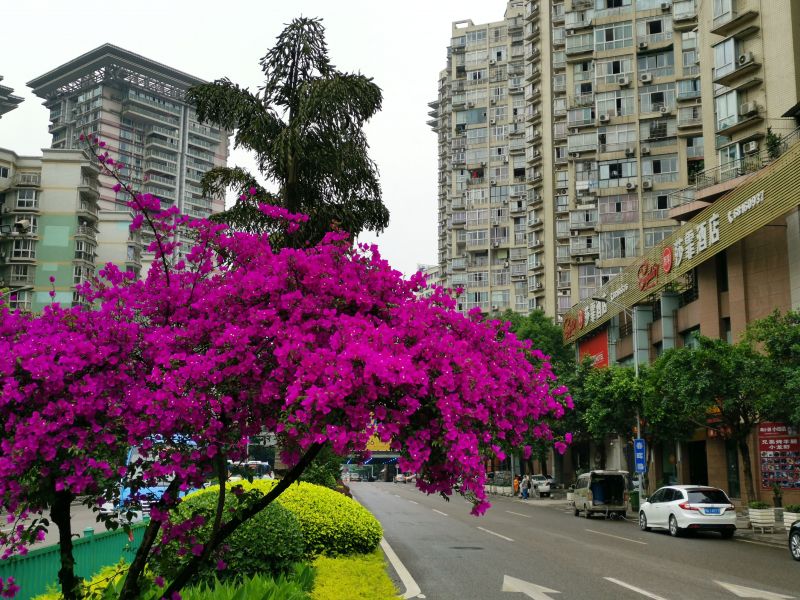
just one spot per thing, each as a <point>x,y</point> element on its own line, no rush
<point>511,512</point>
<point>633,588</point>
<point>508,539</point>
<point>746,592</point>
<point>413,502</point>
<point>412,589</point>
<point>440,512</point>
<point>617,537</point>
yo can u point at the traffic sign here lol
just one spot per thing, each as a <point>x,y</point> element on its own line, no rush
<point>639,455</point>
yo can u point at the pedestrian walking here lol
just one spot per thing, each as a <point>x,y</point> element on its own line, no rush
<point>516,485</point>
<point>525,486</point>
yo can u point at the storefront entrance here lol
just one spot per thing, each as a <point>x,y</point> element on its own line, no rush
<point>698,463</point>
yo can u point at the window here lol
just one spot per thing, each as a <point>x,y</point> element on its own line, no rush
<point>619,244</point>
<point>84,251</point>
<point>729,161</point>
<point>21,300</point>
<point>588,280</point>
<point>653,237</point>
<point>724,57</point>
<point>688,88</point>
<point>610,70</point>
<point>613,36</point>
<point>653,98</point>
<point>727,110</point>
<point>616,103</point>
<point>617,173</point>
<point>623,208</point>
<point>3,172</point>
<point>23,249</point>
<point>657,65</point>
<point>723,11</point>
<point>657,129</point>
<point>476,37</point>
<point>21,274</point>
<point>27,199</point>
<point>610,4</point>
<point>662,169</point>
<point>616,137</point>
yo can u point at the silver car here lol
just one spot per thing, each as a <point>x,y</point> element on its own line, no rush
<point>682,508</point>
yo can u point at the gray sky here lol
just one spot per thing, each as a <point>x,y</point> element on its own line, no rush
<point>400,44</point>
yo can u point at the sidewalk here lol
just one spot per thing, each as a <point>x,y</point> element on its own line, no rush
<point>779,538</point>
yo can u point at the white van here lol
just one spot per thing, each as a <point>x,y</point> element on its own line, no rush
<point>601,492</point>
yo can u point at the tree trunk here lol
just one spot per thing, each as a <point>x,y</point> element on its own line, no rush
<point>191,569</point>
<point>744,451</point>
<point>60,514</point>
<point>132,585</point>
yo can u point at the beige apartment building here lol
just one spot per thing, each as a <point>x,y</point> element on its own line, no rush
<point>8,101</point>
<point>137,106</point>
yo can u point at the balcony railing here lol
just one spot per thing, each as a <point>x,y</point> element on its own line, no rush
<point>745,165</point>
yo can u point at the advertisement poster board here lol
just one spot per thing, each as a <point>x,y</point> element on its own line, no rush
<point>779,452</point>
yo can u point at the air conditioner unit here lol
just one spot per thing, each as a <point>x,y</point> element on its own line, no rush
<point>645,149</point>
<point>571,32</point>
<point>630,150</point>
<point>630,186</point>
<point>493,101</point>
<point>745,58</point>
<point>537,243</point>
<point>750,147</point>
<point>575,154</point>
<point>578,259</point>
<point>483,164</point>
<point>493,122</point>
<point>505,159</point>
<point>663,109</point>
<point>665,6</point>
<point>646,77</point>
<point>624,81</point>
<point>642,45</point>
<point>496,244</point>
<point>538,286</point>
<point>574,232</point>
<point>605,118</point>
<point>574,130</point>
<point>470,104</point>
<point>494,182</point>
<point>748,108</point>
<point>492,61</point>
<point>647,184</point>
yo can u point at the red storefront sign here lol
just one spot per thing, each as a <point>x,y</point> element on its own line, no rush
<point>597,348</point>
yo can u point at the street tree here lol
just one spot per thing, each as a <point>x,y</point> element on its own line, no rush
<point>779,335</point>
<point>715,385</point>
<point>305,127</point>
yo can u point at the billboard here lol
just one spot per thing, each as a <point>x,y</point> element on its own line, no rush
<point>596,347</point>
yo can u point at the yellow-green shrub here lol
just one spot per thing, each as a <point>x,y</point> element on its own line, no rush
<point>331,523</point>
<point>358,577</point>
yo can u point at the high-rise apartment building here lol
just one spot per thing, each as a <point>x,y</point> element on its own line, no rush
<point>594,139</point>
<point>48,226</point>
<point>138,107</point>
<point>8,101</point>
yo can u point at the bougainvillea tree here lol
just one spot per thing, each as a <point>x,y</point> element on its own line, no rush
<point>324,345</point>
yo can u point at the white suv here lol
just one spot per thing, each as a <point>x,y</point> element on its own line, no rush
<point>680,508</point>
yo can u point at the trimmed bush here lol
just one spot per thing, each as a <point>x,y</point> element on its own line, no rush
<point>758,505</point>
<point>792,508</point>
<point>270,542</point>
<point>331,523</point>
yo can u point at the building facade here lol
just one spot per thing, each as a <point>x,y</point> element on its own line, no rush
<point>8,101</point>
<point>48,226</point>
<point>137,106</point>
<point>736,256</point>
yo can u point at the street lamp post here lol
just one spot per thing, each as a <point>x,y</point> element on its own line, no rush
<point>632,315</point>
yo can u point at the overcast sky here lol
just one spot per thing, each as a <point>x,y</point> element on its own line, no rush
<point>402,45</point>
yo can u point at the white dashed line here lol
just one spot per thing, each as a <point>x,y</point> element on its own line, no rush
<point>634,588</point>
<point>440,512</point>
<point>511,512</point>
<point>508,539</point>
<point>617,537</point>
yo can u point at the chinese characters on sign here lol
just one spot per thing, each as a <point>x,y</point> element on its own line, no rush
<point>779,448</point>
<point>639,453</point>
<point>695,240</point>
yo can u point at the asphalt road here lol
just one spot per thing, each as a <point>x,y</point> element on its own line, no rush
<point>538,549</point>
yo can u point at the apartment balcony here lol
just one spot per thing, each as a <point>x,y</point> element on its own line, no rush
<point>27,180</point>
<point>582,100</point>
<point>531,10</point>
<point>578,20</point>
<point>532,32</point>
<point>207,132</point>
<point>89,186</point>
<point>152,117</point>
<point>152,165</point>
<point>690,117</point>
<point>726,24</point>
<point>86,231</point>
<point>745,63</point>
<point>749,114</point>
<point>684,15</point>
<point>579,45</point>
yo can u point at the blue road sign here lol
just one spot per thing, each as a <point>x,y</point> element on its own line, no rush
<point>639,455</point>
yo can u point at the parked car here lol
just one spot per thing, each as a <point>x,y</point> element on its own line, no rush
<point>354,476</point>
<point>540,485</point>
<point>400,478</point>
<point>601,492</point>
<point>794,540</point>
<point>681,508</point>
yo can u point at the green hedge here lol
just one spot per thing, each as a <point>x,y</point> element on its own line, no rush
<point>270,542</point>
<point>331,523</point>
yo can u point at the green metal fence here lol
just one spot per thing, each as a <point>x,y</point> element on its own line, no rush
<point>38,569</point>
